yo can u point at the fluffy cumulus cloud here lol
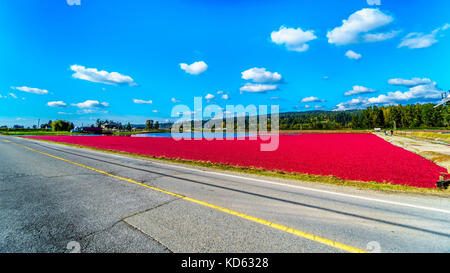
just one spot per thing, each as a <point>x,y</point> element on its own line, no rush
<point>422,93</point>
<point>353,55</point>
<point>419,93</point>
<point>142,101</point>
<point>31,90</point>
<point>194,68</point>
<point>293,39</point>
<point>73,2</point>
<point>360,22</point>
<point>94,75</point>
<point>260,75</point>
<point>258,88</point>
<point>415,40</point>
<point>312,99</point>
<point>357,89</point>
<point>225,97</point>
<point>356,103</point>
<point>409,83</point>
<point>262,80</point>
<point>209,96</point>
<point>59,104</point>
<point>91,104</point>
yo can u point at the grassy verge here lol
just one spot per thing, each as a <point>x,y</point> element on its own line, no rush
<point>322,179</point>
<point>37,133</point>
<point>431,136</point>
<point>141,132</point>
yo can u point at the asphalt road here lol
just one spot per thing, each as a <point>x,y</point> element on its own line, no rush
<point>53,197</point>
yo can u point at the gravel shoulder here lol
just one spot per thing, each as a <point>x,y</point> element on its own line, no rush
<point>438,153</point>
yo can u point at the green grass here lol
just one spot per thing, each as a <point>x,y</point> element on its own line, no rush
<point>433,136</point>
<point>322,179</point>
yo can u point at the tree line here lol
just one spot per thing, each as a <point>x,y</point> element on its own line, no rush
<point>398,116</point>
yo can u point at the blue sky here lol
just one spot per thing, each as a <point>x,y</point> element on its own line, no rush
<point>134,60</point>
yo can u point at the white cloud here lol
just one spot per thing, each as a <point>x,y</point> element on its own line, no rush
<point>374,2</point>
<point>174,100</point>
<point>307,106</point>
<point>13,95</point>
<point>258,88</point>
<point>318,106</point>
<point>219,92</point>
<point>294,39</point>
<point>415,40</point>
<point>73,2</point>
<point>194,68</point>
<point>409,83</point>
<point>209,96</point>
<point>357,89</point>
<point>31,90</point>
<point>142,101</point>
<point>155,111</point>
<point>378,37</point>
<point>225,97</point>
<point>357,103</point>
<point>93,75</point>
<point>260,75</point>
<point>91,104</point>
<point>362,21</point>
<point>353,55</point>
<point>312,99</point>
<point>57,104</point>
<point>420,93</point>
<point>91,111</point>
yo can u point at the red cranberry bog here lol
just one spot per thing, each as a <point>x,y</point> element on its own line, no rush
<point>362,157</point>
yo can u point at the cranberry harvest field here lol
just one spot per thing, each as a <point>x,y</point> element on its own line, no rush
<point>363,157</point>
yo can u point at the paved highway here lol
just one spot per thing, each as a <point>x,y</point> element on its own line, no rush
<point>54,196</point>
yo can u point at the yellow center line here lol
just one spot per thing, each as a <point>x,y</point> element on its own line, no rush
<point>228,211</point>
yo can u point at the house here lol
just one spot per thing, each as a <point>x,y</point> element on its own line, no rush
<point>89,130</point>
<point>111,125</point>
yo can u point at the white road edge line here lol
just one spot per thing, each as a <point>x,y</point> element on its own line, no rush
<point>294,186</point>
<point>310,189</point>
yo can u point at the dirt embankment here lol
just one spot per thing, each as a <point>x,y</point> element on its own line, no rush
<point>438,153</point>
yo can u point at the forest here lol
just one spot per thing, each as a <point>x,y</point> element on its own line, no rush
<point>395,117</point>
